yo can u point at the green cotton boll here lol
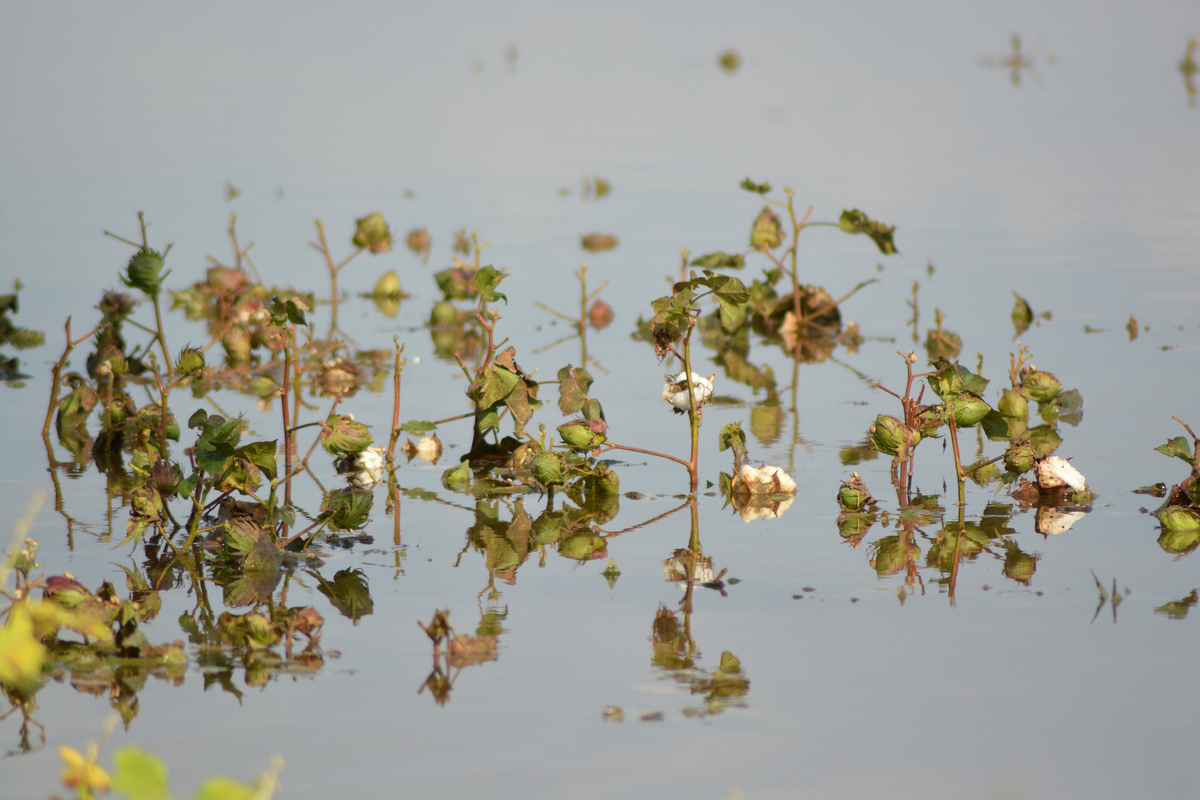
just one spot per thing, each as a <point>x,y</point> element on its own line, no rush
<point>372,233</point>
<point>262,386</point>
<point>1040,386</point>
<point>65,591</point>
<point>890,435</point>
<point>388,285</point>
<point>852,499</point>
<point>457,478</point>
<point>1019,566</point>
<point>767,232</point>
<point>145,272</point>
<point>890,556</point>
<point>191,361</point>
<point>1013,404</point>
<point>1179,519</point>
<point>348,509</point>
<point>549,469</point>
<point>342,436</point>
<point>967,409</point>
<point>1020,457</point>
<point>584,434</point>
<point>444,314</point>
<point>1179,542</point>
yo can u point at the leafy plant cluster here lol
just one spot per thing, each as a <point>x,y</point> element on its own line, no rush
<point>221,511</point>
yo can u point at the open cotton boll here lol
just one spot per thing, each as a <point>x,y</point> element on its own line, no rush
<point>368,467</point>
<point>675,391</point>
<point>1057,473</point>
<point>767,480</point>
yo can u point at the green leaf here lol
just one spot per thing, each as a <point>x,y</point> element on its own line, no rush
<point>855,222</point>
<point>1178,448</point>
<point>294,313</point>
<point>757,188</point>
<point>573,385</point>
<point>952,379</point>
<point>498,385</point>
<point>212,456</point>
<point>523,401</point>
<point>21,654</point>
<point>733,297</point>
<point>592,410</point>
<point>140,775</point>
<point>262,455</point>
<point>719,260</point>
<point>733,436</point>
<point>486,281</point>
<point>418,427</point>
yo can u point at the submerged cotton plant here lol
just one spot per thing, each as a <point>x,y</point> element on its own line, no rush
<point>675,391</point>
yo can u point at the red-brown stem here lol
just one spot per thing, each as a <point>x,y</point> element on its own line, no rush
<point>58,368</point>
<point>613,446</point>
<point>287,427</point>
<point>391,452</point>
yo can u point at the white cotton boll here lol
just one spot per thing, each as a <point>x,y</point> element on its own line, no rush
<point>429,449</point>
<point>1057,473</point>
<point>675,391</point>
<point>368,467</point>
<point>766,480</point>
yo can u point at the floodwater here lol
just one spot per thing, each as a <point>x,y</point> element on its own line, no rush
<point>1071,178</point>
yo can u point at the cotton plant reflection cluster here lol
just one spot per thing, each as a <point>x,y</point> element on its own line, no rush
<point>537,483</point>
<point>1058,493</point>
<point>221,512</point>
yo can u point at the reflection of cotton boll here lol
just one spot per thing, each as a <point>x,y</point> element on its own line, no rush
<point>429,449</point>
<point>1057,473</point>
<point>761,507</point>
<point>676,568</point>
<point>1051,520</point>
<point>675,391</point>
<point>367,467</point>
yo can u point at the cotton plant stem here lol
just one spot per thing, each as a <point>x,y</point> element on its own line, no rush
<point>58,368</point>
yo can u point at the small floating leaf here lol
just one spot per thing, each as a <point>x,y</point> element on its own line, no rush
<point>598,242</point>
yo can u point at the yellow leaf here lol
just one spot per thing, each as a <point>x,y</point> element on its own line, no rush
<point>21,654</point>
